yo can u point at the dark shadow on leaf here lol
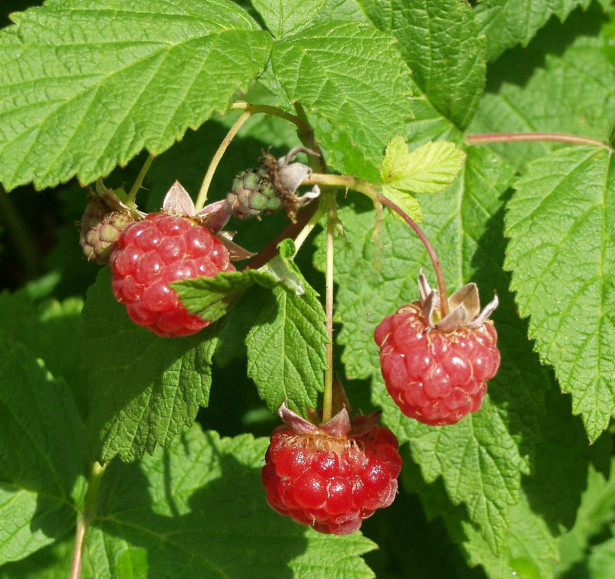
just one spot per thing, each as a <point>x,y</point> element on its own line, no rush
<point>536,412</point>
<point>517,65</point>
<point>222,529</point>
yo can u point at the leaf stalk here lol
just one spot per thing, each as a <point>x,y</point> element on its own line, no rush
<point>87,516</point>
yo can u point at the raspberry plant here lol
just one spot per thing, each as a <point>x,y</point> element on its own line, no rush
<point>469,140</point>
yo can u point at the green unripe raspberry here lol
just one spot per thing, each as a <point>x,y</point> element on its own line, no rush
<point>253,194</point>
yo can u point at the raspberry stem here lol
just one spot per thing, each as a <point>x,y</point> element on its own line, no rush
<point>87,516</point>
<point>331,207</point>
<point>272,111</point>
<point>489,138</point>
<point>370,191</point>
<point>139,180</point>
<point>215,160</point>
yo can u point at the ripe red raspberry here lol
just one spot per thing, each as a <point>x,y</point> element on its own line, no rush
<point>151,254</point>
<point>437,372</point>
<point>328,477</point>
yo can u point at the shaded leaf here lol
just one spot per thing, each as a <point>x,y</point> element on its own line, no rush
<point>192,511</point>
<point>40,464</point>
<point>145,390</point>
<point>508,22</point>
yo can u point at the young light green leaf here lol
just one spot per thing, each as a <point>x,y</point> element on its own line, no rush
<point>429,169</point>
<point>145,390</point>
<point>286,17</point>
<point>193,510</point>
<point>339,71</point>
<point>287,349</point>
<point>40,471</point>
<point>441,43</point>
<point>507,23</point>
<point>561,222</point>
<point>81,81</point>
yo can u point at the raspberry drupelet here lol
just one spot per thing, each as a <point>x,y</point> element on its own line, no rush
<point>155,252</point>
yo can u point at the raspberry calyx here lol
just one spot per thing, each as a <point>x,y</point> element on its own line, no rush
<point>333,475</point>
<point>434,368</point>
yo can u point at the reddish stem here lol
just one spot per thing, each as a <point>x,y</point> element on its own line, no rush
<point>489,138</point>
<point>430,250</point>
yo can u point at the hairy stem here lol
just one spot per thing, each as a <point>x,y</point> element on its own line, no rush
<point>370,191</point>
<point>331,206</point>
<point>87,516</point>
<point>139,180</point>
<point>489,138</point>
<point>215,160</point>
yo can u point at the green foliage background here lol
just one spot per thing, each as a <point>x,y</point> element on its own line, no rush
<point>87,86</point>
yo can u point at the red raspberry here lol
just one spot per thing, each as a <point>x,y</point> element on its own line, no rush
<point>328,481</point>
<point>437,372</point>
<point>152,253</point>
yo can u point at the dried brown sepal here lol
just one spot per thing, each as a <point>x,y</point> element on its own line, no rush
<point>463,307</point>
<point>286,177</point>
<point>339,426</point>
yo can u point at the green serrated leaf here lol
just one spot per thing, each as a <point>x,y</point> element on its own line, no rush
<point>561,222</point>
<point>441,43</point>
<point>40,466</point>
<point>287,349</point>
<point>508,22</point>
<point>211,298</point>
<point>562,82</point>
<point>529,549</point>
<point>145,390</point>
<point>405,201</point>
<point>339,71</point>
<point>192,511</point>
<point>82,80</point>
<point>286,17</point>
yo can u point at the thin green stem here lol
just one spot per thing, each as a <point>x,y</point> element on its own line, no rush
<point>370,191</point>
<point>331,207</point>
<point>309,226</point>
<point>87,516</point>
<point>490,138</point>
<point>139,180</point>
<point>213,165</point>
<point>271,111</point>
